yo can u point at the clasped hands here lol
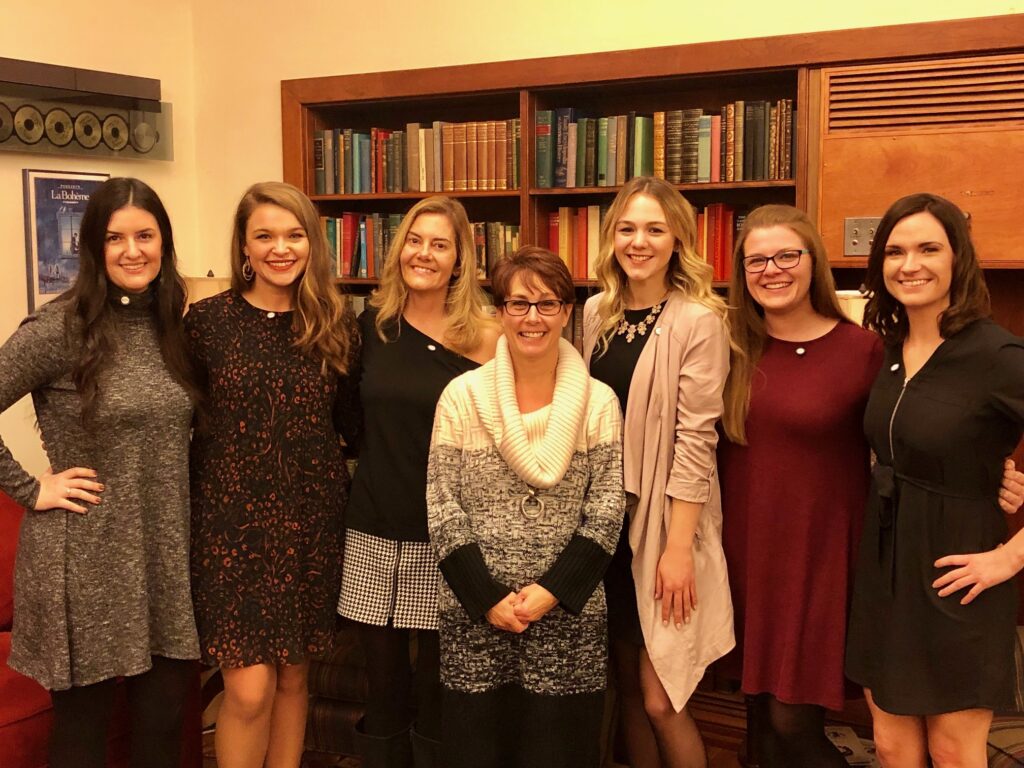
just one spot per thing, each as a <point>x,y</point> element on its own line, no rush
<point>518,610</point>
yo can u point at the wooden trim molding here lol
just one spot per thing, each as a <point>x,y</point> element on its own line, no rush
<point>903,41</point>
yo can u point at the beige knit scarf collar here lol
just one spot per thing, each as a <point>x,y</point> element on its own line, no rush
<point>543,464</point>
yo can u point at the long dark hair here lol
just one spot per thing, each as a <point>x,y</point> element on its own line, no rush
<point>89,314</point>
<point>968,294</point>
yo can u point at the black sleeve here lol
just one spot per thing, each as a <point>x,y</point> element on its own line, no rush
<point>576,573</point>
<point>471,581</point>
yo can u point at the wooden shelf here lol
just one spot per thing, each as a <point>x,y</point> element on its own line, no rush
<point>508,193</point>
<point>701,187</point>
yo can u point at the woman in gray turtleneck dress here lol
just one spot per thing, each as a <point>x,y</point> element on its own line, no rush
<point>101,578</point>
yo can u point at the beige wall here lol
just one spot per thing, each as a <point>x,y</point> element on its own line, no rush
<point>221,62</point>
<point>150,38</point>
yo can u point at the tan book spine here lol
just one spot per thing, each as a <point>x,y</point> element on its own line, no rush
<point>621,150</point>
<point>773,142</point>
<point>730,142</point>
<point>787,142</point>
<point>473,131</point>
<point>412,156</point>
<point>565,236</point>
<point>659,145</point>
<point>501,154</point>
<point>448,157</point>
<point>428,152</point>
<point>490,179</point>
<point>425,169</point>
<point>741,120</point>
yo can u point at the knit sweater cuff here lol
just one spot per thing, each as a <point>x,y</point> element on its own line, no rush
<point>471,581</point>
<point>576,573</point>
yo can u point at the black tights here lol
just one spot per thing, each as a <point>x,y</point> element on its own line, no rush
<point>156,703</point>
<point>789,735</point>
<point>395,691</point>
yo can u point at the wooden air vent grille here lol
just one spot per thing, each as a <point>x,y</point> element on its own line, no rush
<point>928,94</point>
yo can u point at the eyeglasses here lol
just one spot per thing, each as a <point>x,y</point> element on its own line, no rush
<point>517,307</point>
<point>783,260</point>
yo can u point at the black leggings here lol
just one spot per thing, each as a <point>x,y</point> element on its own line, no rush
<point>156,703</point>
<point>397,696</point>
<point>789,735</point>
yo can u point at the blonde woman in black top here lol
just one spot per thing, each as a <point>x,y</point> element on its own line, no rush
<point>425,326</point>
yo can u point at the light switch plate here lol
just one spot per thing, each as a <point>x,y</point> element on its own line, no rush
<point>858,234</point>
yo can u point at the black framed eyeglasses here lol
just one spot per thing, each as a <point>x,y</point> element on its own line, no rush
<point>518,307</point>
<point>783,260</point>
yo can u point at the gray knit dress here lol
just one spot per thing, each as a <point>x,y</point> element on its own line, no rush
<point>96,595</point>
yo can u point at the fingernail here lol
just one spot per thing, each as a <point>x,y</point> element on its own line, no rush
<point>687,619</point>
<point>664,623</point>
<point>103,487</point>
<point>678,625</point>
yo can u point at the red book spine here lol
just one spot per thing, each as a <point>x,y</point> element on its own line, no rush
<point>553,232</point>
<point>348,241</point>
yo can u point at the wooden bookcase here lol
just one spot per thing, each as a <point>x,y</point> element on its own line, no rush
<point>705,75</point>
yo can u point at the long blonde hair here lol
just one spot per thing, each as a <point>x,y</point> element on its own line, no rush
<point>324,330</point>
<point>464,304</point>
<point>687,272</point>
<point>747,316</point>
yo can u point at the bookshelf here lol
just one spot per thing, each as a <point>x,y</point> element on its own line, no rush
<point>834,174</point>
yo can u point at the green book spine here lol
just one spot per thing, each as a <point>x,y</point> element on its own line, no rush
<point>347,141</point>
<point>581,151</point>
<point>545,152</point>
<point>319,178</point>
<point>704,149</point>
<point>602,151</point>
<point>643,146</point>
<point>590,164</point>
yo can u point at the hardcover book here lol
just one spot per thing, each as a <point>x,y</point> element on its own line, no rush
<point>544,149</point>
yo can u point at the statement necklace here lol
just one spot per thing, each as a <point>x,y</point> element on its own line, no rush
<point>632,331</point>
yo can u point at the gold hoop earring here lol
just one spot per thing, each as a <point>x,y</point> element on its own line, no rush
<point>248,273</point>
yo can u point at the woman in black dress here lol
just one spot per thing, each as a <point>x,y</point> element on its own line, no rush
<point>268,478</point>
<point>932,623</point>
<point>424,327</point>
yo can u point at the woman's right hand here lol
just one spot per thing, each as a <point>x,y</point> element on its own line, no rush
<point>61,491</point>
<point>503,615</point>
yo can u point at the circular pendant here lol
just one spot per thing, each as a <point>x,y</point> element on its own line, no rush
<point>531,505</point>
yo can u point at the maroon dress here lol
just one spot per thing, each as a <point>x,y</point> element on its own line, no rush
<point>793,506</point>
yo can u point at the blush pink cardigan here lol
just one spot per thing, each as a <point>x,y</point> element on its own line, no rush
<point>669,441</point>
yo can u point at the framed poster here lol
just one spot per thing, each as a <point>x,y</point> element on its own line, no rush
<point>54,204</point>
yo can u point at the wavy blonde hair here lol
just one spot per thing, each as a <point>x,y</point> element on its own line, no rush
<point>464,305</point>
<point>687,271</point>
<point>747,317</point>
<point>321,322</point>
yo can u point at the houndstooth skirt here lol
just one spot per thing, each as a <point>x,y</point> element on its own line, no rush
<point>389,582</point>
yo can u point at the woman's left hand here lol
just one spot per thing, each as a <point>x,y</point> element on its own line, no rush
<point>532,602</point>
<point>1011,494</point>
<point>676,585</point>
<point>978,571</point>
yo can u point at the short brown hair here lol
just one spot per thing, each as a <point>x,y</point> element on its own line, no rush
<point>968,294</point>
<point>536,265</point>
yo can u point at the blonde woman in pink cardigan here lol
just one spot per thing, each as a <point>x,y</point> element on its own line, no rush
<point>657,335</point>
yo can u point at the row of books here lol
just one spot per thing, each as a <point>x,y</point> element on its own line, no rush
<point>574,235</point>
<point>360,242</point>
<point>747,141</point>
<point>444,157</point>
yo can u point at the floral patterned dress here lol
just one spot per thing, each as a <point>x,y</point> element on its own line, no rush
<point>268,484</point>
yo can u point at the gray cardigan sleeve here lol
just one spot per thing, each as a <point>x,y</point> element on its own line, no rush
<point>32,359</point>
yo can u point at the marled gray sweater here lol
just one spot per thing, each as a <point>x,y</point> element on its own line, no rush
<point>96,595</point>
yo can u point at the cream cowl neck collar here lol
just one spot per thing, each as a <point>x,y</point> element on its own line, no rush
<point>544,463</point>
